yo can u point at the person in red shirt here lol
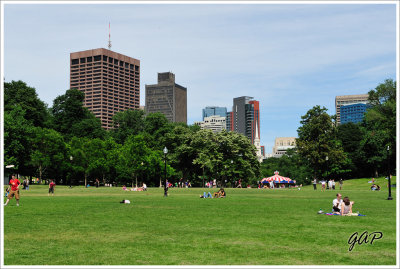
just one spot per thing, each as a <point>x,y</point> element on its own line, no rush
<point>14,186</point>
<point>51,188</point>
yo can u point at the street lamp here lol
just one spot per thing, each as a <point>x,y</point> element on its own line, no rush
<point>71,159</point>
<point>165,172</point>
<point>327,159</point>
<point>141,174</point>
<point>390,187</point>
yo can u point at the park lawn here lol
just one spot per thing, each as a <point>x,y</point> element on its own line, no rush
<point>81,226</point>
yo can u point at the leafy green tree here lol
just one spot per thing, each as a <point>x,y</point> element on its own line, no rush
<point>17,134</point>
<point>318,145</point>
<point>72,119</point>
<point>380,124</point>
<point>19,93</point>
<point>126,123</point>
<point>351,135</point>
<point>136,159</point>
<point>48,150</point>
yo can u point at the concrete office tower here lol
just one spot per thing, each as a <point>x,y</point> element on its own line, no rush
<point>245,117</point>
<point>348,100</point>
<point>109,80</point>
<point>214,111</point>
<point>168,98</point>
<point>214,123</point>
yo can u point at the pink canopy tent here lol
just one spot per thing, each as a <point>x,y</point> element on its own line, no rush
<point>277,179</point>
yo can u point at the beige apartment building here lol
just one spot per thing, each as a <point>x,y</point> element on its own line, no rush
<point>109,80</point>
<point>282,144</point>
<point>348,100</point>
<point>215,123</point>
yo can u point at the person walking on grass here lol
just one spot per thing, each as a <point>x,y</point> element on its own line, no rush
<point>315,184</point>
<point>341,183</point>
<point>323,185</point>
<point>52,185</point>
<point>14,190</point>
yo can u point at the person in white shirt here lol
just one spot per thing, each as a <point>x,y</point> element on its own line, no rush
<point>337,203</point>
<point>330,184</point>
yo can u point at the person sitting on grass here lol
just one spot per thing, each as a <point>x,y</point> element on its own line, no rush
<point>375,187</point>
<point>347,207</point>
<point>220,194</point>
<point>337,204</point>
<point>7,192</point>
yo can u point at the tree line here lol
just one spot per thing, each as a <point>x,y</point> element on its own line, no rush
<point>66,142</point>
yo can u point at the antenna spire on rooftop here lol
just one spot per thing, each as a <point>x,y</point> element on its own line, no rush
<point>109,36</point>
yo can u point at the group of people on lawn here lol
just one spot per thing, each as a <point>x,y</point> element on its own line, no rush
<point>343,207</point>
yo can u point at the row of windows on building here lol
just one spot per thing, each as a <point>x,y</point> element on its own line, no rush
<point>105,58</point>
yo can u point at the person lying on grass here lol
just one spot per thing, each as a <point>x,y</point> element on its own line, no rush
<point>220,194</point>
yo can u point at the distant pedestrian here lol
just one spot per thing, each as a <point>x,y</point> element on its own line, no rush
<point>323,185</point>
<point>14,190</point>
<point>97,183</point>
<point>52,185</point>
<point>333,184</point>
<point>315,184</point>
<point>330,184</point>
<point>27,184</point>
<point>341,183</point>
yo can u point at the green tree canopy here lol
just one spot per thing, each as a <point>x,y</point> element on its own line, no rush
<point>19,93</point>
<point>72,119</point>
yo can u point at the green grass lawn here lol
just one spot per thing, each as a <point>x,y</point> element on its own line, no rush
<point>81,226</point>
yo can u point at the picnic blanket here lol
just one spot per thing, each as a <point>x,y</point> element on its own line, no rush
<point>353,215</point>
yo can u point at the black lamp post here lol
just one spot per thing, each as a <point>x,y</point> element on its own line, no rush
<point>70,158</point>
<point>327,159</point>
<point>390,184</point>
<point>165,172</point>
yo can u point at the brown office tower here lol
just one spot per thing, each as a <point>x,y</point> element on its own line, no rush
<point>109,80</point>
<point>168,98</point>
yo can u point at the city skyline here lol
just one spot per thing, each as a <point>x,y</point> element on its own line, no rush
<point>288,57</point>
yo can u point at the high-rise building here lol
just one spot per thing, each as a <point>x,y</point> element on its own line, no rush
<point>168,98</point>
<point>214,111</point>
<point>109,80</point>
<point>229,122</point>
<point>353,113</point>
<point>348,100</point>
<point>214,123</point>
<point>245,117</point>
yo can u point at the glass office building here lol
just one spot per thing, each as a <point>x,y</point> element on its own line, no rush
<point>353,113</point>
<point>214,111</point>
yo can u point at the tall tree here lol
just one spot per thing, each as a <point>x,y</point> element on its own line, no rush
<point>317,143</point>
<point>48,150</point>
<point>126,123</point>
<point>72,119</point>
<point>380,124</point>
<point>17,139</point>
<point>19,93</point>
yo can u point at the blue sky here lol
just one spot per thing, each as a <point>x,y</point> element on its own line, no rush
<point>289,57</point>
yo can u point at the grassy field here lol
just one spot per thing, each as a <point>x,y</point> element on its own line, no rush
<point>250,227</point>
